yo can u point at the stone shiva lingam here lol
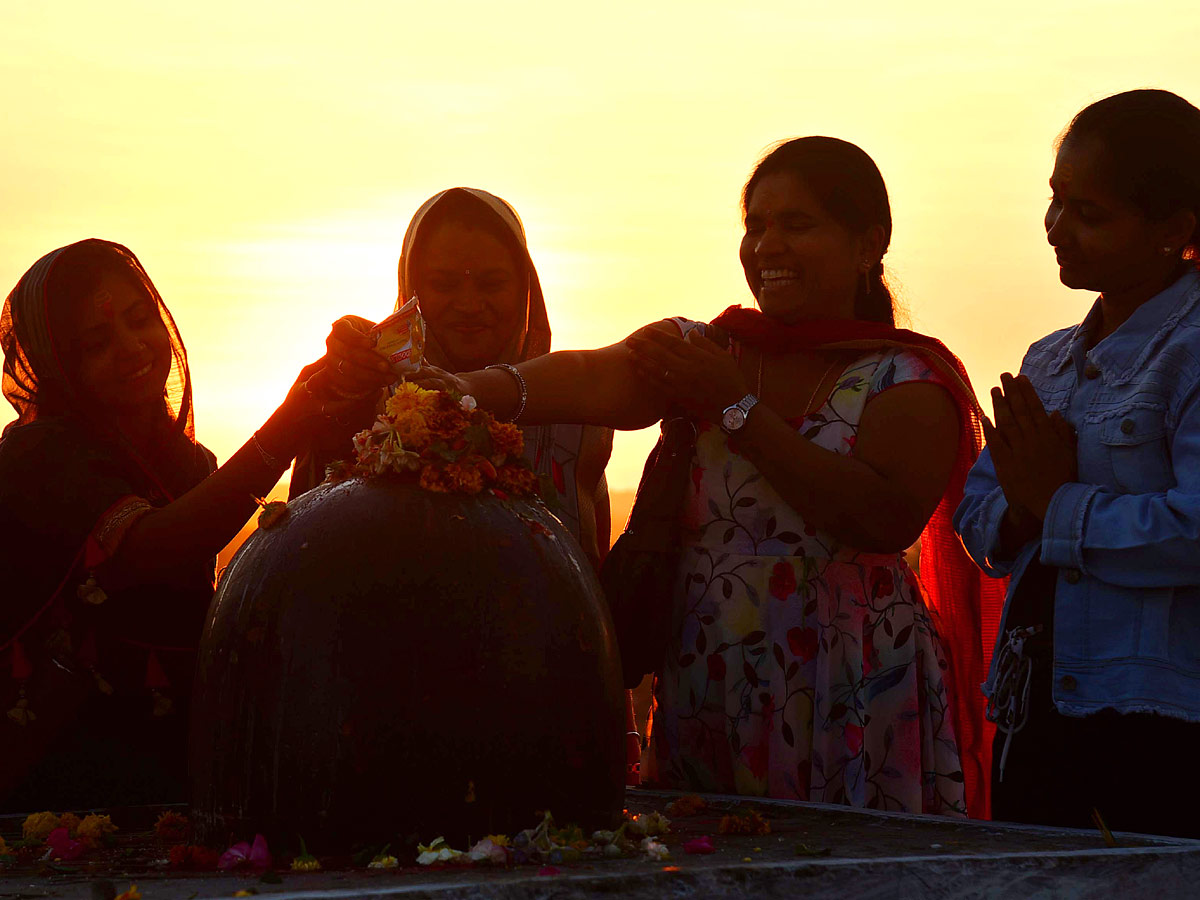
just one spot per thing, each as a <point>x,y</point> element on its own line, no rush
<point>415,647</point>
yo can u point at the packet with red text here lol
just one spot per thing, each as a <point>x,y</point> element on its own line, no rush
<point>401,338</point>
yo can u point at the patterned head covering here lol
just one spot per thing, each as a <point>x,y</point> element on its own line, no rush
<point>534,338</point>
<point>36,381</point>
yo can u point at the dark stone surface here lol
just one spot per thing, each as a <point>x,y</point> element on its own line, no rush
<point>387,661</point>
<point>877,856</point>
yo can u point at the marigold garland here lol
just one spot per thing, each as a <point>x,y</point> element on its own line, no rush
<point>444,443</point>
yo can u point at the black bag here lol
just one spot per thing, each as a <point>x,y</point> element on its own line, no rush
<point>639,572</point>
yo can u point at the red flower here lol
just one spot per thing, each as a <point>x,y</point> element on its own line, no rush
<point>756,759</point>
<point>854,737</point>
<point>882,583</point>
<point>783,581</point>
<point>62,846</point>
<point>803,643</point>
<point>193,856</point>
<point>716,667</point>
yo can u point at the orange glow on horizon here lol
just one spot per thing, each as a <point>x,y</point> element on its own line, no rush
<point>263,161</point>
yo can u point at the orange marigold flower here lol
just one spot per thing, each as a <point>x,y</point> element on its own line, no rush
<point>93,828</point>
<point>409,399</point>
<point>414,431</point>
<point>448,424</point>
<point>516,479</point>
<point>132,894</point>
<point>464,478</point>
<point>507,439</point>
<point>193,856</point>
<point>750,823</point>
<point>433,478</point>
<point>38,825</point>
<point>171,827</point>
<point>69,821</point>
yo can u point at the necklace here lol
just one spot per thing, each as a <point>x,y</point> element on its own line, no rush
<point>811,397</point>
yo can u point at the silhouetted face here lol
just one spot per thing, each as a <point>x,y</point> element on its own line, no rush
<point>473,293</point>
<point>1101,240</point>
<point>799,262</point>
<point>119,350</point>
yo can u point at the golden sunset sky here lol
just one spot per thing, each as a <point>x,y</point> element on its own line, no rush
<point>263,159</point>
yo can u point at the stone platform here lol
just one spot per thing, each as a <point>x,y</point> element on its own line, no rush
<point>813,851</point>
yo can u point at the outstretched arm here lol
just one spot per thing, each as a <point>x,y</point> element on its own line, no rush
<point>592,387</point>
<point>198,524</point>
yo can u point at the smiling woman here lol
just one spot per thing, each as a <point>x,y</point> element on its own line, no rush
<point>801,659</point>
<point>110,514</point>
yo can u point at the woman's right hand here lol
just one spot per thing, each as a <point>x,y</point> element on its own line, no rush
<point>353,369</point>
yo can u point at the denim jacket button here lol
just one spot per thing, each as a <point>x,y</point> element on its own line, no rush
<point>1073,576</point>
<point>1090,371</point>
<point>1068,683</point>
<point>1127,426</point>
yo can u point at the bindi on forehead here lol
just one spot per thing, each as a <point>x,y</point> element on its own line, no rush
<point>104,304</point>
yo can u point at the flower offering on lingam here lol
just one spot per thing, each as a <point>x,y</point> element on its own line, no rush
<point>444,443</point>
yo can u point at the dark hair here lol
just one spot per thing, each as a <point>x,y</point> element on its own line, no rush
<point>1151,144</point>
<point>847,184</point>
<point>464,207</point>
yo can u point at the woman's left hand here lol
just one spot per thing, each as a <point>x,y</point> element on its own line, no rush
<point>1033,452</point>
<point>692,372</point>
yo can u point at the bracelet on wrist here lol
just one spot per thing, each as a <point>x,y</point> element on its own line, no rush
<point>524,388</point>
<point>273,463</point>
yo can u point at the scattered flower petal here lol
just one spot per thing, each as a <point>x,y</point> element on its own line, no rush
<point>62,847</point>
<point>435,852</point>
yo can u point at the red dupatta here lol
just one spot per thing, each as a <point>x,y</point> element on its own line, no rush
<point>965,603</point>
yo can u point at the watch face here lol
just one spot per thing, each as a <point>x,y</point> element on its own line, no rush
<point>733,419</point>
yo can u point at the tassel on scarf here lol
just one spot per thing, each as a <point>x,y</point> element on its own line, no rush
<point>89,656</point>
<point>157,681</point>
<point>21,714</point>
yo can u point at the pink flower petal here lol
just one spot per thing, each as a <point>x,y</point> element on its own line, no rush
<point>548,870</point>
<point>234,856</point>
<point>700,845</point>
<point>260,856</point>
<point>59,841</point>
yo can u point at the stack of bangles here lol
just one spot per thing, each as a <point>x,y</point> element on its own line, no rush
<point>524,388</point>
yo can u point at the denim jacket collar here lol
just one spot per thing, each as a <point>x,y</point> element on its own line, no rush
<point>1122,354</point>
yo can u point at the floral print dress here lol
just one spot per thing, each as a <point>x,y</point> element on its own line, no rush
<point>801,668</point>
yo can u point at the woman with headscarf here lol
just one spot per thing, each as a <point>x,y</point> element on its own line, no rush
<point>111,514</point>
<point>802,659</point>
<point>465,256</point>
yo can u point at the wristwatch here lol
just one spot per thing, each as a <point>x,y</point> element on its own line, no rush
<point>734,417</point>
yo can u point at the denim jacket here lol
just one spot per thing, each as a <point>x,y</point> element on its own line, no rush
<point>1125,538</point>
